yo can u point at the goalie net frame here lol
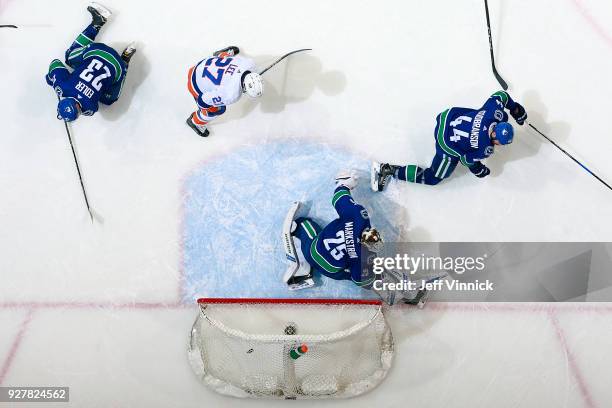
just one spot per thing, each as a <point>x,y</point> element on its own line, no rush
<point>292,388</point>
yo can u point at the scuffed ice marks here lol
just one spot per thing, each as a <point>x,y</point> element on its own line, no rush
<point>235,206</point>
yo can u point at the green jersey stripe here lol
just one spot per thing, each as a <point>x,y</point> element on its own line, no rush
<point>440,135</point>
<point>83,40</point>
<point>339,195</point>
<point>364,283</point>
<point>503,96</point>
<point>309,229</point>
<point>56,64</point>
<point>318,258</point>
<point>411,171</point>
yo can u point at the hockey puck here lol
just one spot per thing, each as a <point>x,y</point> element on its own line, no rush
<point>291,329</point>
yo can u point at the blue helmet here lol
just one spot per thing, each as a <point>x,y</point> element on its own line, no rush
<point>504,133</point>
<point>68,109</point>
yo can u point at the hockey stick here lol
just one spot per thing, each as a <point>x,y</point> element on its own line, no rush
<point>8,26</point>
<point>570,156</point>
<point>283,57</point>
<point>497,76</point>
<point>76,162</point>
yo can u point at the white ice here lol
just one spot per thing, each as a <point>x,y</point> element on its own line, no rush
<point>98,308</point>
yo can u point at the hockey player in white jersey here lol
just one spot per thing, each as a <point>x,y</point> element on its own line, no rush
<point>218,81</point>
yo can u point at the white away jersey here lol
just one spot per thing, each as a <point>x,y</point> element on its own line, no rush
<point>217,81</point>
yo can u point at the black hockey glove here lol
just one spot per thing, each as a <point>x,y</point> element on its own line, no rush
<point>480,170</point>
<point>519,114</point>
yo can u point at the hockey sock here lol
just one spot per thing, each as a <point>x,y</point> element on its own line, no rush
<point>410,173</point>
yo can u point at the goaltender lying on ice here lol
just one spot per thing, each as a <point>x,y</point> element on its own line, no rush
<point>342,250</point>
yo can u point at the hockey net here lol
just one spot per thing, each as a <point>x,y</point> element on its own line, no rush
<point>257,347</point>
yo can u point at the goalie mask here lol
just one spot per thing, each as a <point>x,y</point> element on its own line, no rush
<point>370,237</point>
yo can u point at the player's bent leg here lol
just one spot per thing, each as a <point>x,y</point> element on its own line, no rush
<point>114,92</point>
<point>202,117</point>
<point>442,166</point>
<point>78,45</point>
<point>306,231</point>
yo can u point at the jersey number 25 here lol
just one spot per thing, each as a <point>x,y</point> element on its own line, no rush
<point>340,246</point>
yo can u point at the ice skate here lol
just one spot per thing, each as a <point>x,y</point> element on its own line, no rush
<point>231,50</point>
<point>128,52</point>
<point>381,174</point>
<point>99,14</point>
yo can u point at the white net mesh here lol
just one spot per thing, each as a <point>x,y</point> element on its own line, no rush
<point>245,349</point>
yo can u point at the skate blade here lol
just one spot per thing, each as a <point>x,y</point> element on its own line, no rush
<point>374,176</point>
<point>104,12</point>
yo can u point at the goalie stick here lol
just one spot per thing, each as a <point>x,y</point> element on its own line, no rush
<point>570,156</point>
<point>497,76</point>
<point>283,57</point>
<point>76,162</point>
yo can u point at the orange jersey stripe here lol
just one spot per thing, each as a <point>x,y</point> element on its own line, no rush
<point>190,86</point>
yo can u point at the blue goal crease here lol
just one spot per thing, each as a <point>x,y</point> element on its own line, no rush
<point>234,210</point>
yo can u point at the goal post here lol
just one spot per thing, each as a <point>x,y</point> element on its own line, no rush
<point>291,348</point>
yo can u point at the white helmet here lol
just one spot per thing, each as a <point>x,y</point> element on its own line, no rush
<point>252,85</point>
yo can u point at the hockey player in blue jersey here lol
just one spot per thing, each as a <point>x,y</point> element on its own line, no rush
<point>336,250</point>
<point>94,73</point>
<point>461,135</point>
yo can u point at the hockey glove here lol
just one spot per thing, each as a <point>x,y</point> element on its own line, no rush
<point>519,114</point>
<point>480,170</point>
<point>346,178</point>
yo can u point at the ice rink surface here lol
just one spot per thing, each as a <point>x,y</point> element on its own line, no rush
<point>105,308</point>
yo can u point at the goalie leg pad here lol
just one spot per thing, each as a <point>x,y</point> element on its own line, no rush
<point>299,274</point>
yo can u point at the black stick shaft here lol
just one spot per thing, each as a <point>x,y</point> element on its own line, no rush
<point>76,163</point>
<point>283,57</point>
<point>570,156</point>
<point>501,81</point>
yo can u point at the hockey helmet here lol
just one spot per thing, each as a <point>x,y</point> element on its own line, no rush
<point>252,84</point>
<point>68,109</point>
<point>504,133</point>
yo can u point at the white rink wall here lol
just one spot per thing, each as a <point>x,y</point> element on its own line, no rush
<point>87,306</point>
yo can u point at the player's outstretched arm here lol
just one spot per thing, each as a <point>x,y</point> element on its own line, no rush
<point>342,200</point>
